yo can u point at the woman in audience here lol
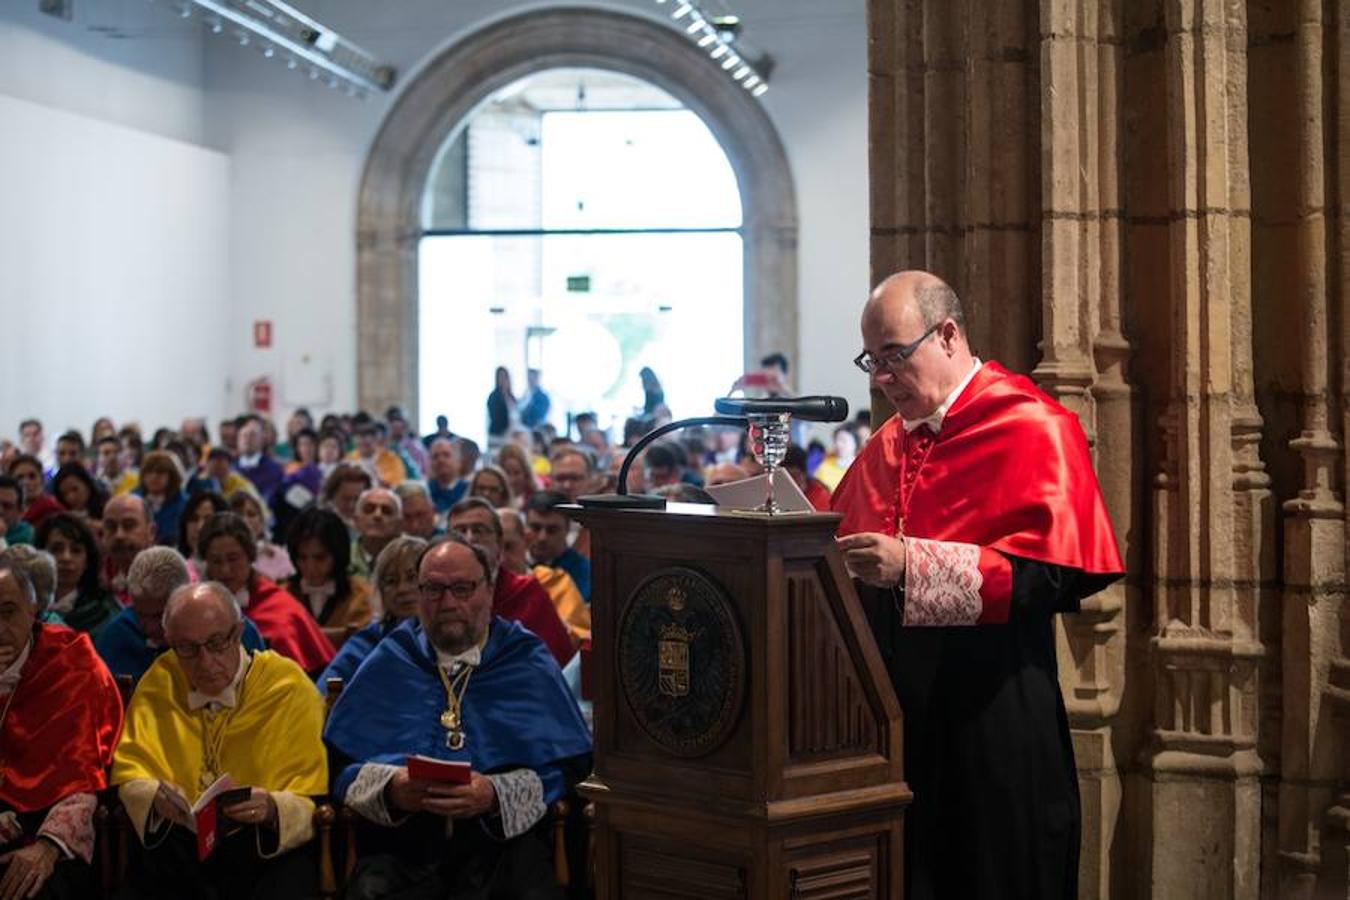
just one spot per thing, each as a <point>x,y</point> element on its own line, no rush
<point>81,600</point>
<point>38,504</point>
<point>396,592</point>
<point>332,447</point>
<point>653,395</point>
<point>78,491</point>
<point>103,427</point>
<point>521,481</point>
<point>341,489</point>
<point>501,408</point>
<point>228,547</point>
<point>272,562</point>
<point>199,507</point>
<point>304,446</point>
<point>162,488</point>
<point>321,549</point>
<point>831,470</point>
<point>492,484</point>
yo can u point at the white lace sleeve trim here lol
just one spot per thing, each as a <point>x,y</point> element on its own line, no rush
<point>942,583</point>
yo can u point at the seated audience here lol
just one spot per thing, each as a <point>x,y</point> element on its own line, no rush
<point>210,709</point>
<point>342,488</point>
<point>516,598</point>
<point>69,449</point>
<point>382,464</point>
<point>562,591</point>
<point>546,527</point>
<point>831,469</point>
<point>339,601</point>
<point>220,469</point>
<point>572,472</point>
<point>255,462</point>
<point>78,491</point>
<point>200,507</point>
<point>379,518</point>
<point>725,473</point>
<point>135,636</point>
<point>128,528</point>
<point>272,562</point>
<point>38,504</point>
<point>162,488</point>
<point>444,479</point>
<point>491,484</point>
<point>419,513</point>
<point>520,477</point>
<point>332,446</point>
<point>395,581</point>
<point>110,469</point>
<point>405,443</point>
<point>794,463</point>
<point>40,569</point>
<point>473,688</point>
<point>62,718</point>
<point>82,602</point>
<point>228,548</point>
<point>13,529</point>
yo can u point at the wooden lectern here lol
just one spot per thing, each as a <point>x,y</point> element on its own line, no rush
<point>747,738</point>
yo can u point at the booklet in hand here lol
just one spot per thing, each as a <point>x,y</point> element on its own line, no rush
<point>425,768</point>
<point>206,817</point>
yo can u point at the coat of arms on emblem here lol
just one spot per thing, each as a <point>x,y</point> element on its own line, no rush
<point>673,653</point>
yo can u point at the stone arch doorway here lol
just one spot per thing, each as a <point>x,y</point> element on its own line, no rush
<point>444,94</point>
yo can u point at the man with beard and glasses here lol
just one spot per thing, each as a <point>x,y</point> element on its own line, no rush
<point>473,689</point>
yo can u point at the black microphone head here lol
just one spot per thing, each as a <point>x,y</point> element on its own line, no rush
<point>808,409</point>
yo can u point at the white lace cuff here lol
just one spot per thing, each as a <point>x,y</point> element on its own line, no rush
<point>520,800</point>
<point>366,794</point>
<point>942,583</point>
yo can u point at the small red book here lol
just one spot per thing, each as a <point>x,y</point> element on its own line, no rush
<point>425,768</point>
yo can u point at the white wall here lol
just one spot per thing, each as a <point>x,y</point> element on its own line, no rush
<point>114,253</point>
<point>298,148</point>
<point>113,272</point>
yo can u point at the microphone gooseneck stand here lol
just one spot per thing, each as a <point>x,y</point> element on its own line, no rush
<point>621,499</point>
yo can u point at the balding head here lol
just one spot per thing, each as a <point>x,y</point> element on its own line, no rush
<point>128,528</point>
<point>203,625</point>
<point>914,325</point>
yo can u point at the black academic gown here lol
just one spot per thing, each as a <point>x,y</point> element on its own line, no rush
<point>987,750</point>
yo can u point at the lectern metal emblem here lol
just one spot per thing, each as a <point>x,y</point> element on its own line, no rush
<point>681,661</point>
<point>674,656</point>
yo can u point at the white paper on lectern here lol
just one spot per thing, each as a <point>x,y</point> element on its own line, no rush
<point>748,493</point>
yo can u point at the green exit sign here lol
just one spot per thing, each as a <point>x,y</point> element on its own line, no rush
<point>579,284</point>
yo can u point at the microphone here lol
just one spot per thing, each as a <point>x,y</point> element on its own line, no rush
<point>806,409</point>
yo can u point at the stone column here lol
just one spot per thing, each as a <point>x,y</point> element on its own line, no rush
<point>1084,364</point>
<point>1212,493</point>
<point>1314,551</point>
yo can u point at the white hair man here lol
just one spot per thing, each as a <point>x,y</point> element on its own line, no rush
<point>134,638</point>
<point>205,710</point>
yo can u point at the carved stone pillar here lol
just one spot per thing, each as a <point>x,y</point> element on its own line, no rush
<point>1314,553</point>
<point>1084,364</point>
<point>1206,644</point>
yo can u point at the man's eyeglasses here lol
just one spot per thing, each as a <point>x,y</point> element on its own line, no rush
<point>892,357</point>
<point>217,644</point>
<point>473,529</point>
<point>460,590</point>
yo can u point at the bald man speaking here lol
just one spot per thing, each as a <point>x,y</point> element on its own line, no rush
<point>972,518</point>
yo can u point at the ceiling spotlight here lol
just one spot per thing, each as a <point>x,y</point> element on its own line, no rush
<point>268,52</point>
<point>243,38</point>
<point>751,82</point>
<point>215,26</point>
<point>728,27</point>
<point>292,64</point>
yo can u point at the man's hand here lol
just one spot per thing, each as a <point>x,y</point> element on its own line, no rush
<point>27,870</point>
<point>456,801</point>
<point>259,809</point>
<point>172,807</point>
<point>877,559</point>
<point>461,801</point>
